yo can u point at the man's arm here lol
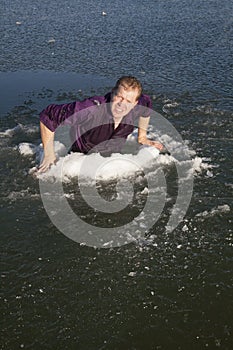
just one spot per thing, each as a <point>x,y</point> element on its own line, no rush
<point>47,137</point>
<point>142,134</point>
<point>53,116</point>
<point>50,118</point>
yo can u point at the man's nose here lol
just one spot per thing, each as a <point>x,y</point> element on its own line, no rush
<point>121,101</point>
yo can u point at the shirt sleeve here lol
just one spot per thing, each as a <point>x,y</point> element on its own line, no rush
<point>145,100</point>
<point>144,106</point>
<point>54,115</point>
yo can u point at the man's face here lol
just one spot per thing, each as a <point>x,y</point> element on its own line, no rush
<point>123,101</point>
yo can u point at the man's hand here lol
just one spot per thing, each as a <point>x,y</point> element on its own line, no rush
<point>46,163</point>
<point>156,144</point>
<point>142,135</point>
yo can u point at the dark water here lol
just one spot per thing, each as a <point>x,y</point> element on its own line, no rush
<point>174,292</point>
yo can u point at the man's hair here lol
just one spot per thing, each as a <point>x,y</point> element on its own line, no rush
<point>129,83</point>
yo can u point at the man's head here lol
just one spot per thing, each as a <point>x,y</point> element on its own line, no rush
<point>125,96</point>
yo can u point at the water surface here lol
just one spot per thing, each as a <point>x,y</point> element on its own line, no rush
<point>170,292</point>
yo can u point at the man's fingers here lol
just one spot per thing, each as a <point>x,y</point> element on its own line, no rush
<point>44,167</point>
<point>46,164</point>
<point>158,145</point>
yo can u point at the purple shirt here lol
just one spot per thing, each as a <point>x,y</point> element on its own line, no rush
<point>92,123</point>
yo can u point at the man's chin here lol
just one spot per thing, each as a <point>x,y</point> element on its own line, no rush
<point>117,115</point>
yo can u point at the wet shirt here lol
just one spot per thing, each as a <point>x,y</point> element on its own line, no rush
<point>92,124</point>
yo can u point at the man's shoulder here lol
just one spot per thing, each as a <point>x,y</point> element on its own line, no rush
<point>97,100</point>
<point>145,100</point>
<point>89,102</point>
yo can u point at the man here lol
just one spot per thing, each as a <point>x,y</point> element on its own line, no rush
<point>100,123</point>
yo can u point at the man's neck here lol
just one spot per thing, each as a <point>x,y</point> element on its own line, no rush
<point>117,122</point>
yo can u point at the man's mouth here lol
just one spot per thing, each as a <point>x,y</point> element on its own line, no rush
<point>119,109</point>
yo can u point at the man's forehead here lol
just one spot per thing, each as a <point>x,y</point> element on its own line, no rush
<point>127,90</point>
